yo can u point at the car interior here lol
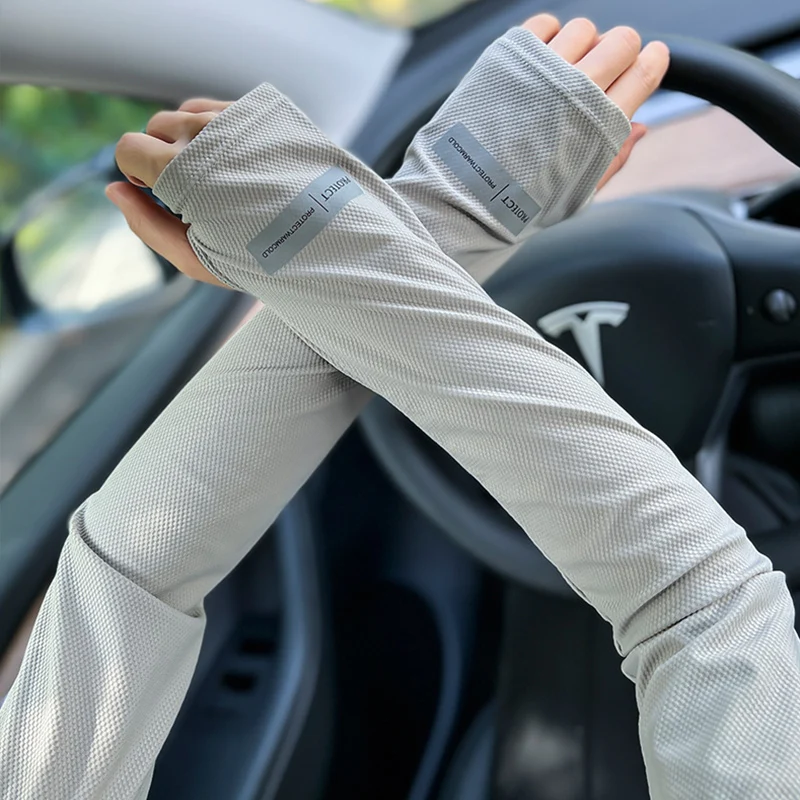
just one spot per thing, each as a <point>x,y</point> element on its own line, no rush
<point>394,634</point>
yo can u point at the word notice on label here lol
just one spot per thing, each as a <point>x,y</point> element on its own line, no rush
<point>480,172</point>
<point>305,216</point>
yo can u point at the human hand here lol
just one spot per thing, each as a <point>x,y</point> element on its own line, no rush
<point>146,155</point>
<point>615,61</point>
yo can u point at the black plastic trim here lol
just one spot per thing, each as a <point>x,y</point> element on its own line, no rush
<point>257,725</point>
<point>300,655</point>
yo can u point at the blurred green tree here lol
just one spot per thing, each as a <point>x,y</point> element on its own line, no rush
<point>44,131</point>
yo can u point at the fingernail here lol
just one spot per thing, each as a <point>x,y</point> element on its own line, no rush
<point>110,192</point>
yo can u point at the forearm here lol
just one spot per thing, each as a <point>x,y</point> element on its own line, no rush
<point>274,406</point>
<point>372,294</point>
<point>198,490</point>
<point>533,125</point>
<point>605,500</point>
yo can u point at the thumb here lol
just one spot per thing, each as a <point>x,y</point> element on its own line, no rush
<point>158,229</point>
<point>637,132</point>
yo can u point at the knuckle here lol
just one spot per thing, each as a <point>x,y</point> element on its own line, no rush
<point>584,26</point>
<point>630,37</point>
<point>125,146</point>
<point>543,19</point>
<point>192,104</point>
<point>199,121</point>
<point>159,120</point>
<point>659,58</point>
<point>646,75</point>
<point>126,141</point>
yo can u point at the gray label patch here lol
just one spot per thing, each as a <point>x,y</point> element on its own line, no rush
<point>480,172</point>
<point>304,217</point>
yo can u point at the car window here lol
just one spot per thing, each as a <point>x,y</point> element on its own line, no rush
<point>79,292</point>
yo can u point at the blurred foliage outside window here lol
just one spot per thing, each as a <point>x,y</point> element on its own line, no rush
<point>45,131</point>
<point>398,13</point>
<point>73,253</point>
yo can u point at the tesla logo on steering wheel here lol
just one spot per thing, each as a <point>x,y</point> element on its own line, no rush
<point>584,320</point>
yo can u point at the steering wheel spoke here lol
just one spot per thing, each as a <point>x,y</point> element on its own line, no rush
<point>766,266</point>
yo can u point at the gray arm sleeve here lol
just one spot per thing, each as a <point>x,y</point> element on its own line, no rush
<point>704,623</point>
<point>115,645</point>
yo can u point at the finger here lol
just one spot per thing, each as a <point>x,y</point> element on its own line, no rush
<point>177,126</point>
<point>544,26</point>
<point>637,133</point>
<point>617,50</point>
<point>142,158</point>
<point>575,40</point>
<point>158,229</point>
<point>640,80</point>
<point>197,105</point>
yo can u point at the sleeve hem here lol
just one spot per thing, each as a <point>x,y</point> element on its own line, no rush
<point>592,102</point>
<point>222,134</point>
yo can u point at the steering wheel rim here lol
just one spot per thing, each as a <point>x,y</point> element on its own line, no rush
<point>730,78</point>
<point>767,101</point>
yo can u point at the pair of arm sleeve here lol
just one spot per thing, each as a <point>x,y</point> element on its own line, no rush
<point>116,642</point>
<point>705,625</point>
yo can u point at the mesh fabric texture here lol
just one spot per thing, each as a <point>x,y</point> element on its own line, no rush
<point>115,645</point>
<point>704,623</point>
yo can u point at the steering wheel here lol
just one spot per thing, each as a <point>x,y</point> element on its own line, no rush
<point>669,301</point>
